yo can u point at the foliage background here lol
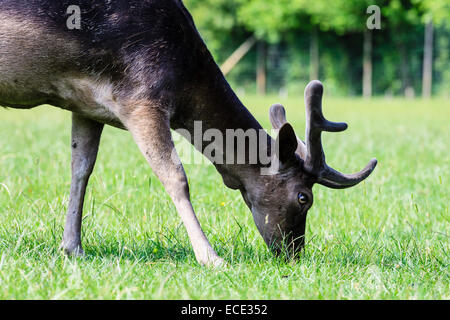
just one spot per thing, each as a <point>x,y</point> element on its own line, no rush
<point>387,238</point>
<point>286,27</point>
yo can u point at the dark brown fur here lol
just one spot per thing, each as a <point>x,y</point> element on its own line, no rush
<point>142,66</point>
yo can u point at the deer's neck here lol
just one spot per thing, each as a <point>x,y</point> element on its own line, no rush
<point>216,108</point>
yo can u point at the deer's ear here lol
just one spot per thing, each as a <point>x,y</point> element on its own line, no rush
<point>286,143</point>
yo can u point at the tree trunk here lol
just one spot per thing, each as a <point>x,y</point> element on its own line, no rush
<point>367,64</point>
<point>404,68</point>
<point>237,55</point>
<point>314,55</point>
<point>427,80</point>
<point>261,77</point>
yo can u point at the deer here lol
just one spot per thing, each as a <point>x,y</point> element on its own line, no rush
<point>142,66</point>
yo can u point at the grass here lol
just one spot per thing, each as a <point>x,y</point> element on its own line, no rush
<point>387,238</point>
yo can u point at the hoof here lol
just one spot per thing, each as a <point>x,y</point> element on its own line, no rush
<point>72,250</point>
<point>214,262</point>
<point>219,263</point>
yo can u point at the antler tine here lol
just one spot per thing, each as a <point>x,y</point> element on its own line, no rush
<point>277,116</point>
<point>278,119</point>
<point>315,124</point>
<point>336,180</point>
<point>315,157</point>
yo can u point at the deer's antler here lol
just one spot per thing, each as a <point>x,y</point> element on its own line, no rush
<point>278,119</point>
<point>311,151</point>
<point>315,157</point>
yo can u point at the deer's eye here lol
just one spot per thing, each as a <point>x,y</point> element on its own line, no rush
<point>302,198</point>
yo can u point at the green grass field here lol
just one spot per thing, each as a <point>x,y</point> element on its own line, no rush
<point>387,238</point>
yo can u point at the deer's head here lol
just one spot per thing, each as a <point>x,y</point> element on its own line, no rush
<point>280,202</point>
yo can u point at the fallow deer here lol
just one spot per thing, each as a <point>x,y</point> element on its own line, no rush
<point>141,65</point>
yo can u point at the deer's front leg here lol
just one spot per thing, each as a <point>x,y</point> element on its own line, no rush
<point>86,135</point>
<point>150,128</point>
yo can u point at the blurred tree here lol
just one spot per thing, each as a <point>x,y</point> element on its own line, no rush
<point>271,20</point>
<point>347,16</point>
<point>267,19</point>
<point>404,23</point>
<point>436,12</point>
<point>218,23</point>
<point>292,34</point>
